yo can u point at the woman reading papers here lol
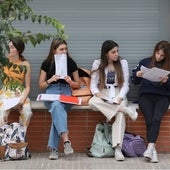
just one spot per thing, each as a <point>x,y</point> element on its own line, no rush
<point>154,96</point>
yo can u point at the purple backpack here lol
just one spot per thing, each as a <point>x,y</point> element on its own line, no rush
<point>133,145</point>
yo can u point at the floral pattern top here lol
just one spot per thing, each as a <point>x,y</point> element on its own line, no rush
<point>12,77</point>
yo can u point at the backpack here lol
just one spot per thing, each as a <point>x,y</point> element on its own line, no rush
<point>84,91</point>
<point>102,141</point>
<point>133,145</point>
<point>12,142</point>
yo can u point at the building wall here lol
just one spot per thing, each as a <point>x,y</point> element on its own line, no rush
<point>136,25</point>
<point>81,124</point>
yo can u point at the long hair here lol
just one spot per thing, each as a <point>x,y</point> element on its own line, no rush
<point>20,46</point>
<point>165,47</point>
<point>54,45</point>
<point>106,47</point>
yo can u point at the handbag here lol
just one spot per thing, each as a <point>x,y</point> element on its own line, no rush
<point>84,91</point>
<point>102,141</point>
<point>133,145</point>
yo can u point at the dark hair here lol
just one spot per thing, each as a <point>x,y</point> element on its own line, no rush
<point>106,47</point>
<point>20,46</point>
<point>54,45</point>
<point>165,47</point>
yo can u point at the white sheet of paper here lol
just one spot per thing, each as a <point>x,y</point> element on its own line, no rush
<point>154,74</point>
<point>110,100</point>
<point>61,65</point>
<point>144,69</point>
<point>47,97</point>
<point>11,102</point>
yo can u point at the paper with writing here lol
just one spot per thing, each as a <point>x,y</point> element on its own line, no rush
<point>61,65</point>
<point>11,102</point>
<point>154,74</point>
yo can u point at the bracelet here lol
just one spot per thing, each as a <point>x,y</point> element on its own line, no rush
<point>47,83</point>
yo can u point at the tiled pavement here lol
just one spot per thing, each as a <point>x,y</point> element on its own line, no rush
<point>82,161</point>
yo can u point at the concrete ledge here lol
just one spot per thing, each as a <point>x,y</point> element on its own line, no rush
<point>40,105</point>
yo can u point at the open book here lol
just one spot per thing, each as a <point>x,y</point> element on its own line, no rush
<point>154,74</point>
<point>60,97</point>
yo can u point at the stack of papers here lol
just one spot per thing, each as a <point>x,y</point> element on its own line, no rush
<point>60,97</point>
<point>154,74</point>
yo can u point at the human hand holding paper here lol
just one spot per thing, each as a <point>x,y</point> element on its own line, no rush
<point>155,74</point>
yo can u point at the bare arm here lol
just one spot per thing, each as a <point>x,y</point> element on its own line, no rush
<point>27,82</point>
<point>75,82</point>
<point>43,83</point>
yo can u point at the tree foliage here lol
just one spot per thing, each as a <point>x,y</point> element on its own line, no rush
<point>19,10</point>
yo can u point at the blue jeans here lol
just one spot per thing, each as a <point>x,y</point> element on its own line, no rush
<point>58,112</point>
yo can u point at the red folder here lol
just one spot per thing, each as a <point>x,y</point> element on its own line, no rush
<point>70,99</point>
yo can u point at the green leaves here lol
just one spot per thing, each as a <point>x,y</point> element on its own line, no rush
<point>19,10</point>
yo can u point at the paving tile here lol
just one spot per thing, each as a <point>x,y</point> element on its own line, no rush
<point>82,161</point>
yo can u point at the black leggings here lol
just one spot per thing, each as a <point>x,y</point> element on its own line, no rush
<point>153,107</point>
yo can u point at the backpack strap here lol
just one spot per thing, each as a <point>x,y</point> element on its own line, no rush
<point>108,135</point>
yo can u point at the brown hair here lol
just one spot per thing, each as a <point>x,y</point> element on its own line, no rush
<point>106,47</point>
<point>20,46</point>
<point>54,45</point>
<point>165,47</point>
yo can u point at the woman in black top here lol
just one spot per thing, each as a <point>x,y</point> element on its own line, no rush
<point>54,84</point>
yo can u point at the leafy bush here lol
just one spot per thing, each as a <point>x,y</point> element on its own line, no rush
<point>19,10</point>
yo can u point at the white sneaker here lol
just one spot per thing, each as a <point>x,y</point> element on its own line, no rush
<point>148,154</point>
<point>53,154</point>
<point>154,157</point>
<point>67,148</point>
<point>118,154</point>
<point>131,112</point>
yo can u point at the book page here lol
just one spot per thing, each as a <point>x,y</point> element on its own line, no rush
<point>61,65</point>
<point>154,74</point>
<point>48,97</point>
<point>11,102</point>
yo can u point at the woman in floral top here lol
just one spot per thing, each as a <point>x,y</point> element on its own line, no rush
<point>15,77</point>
